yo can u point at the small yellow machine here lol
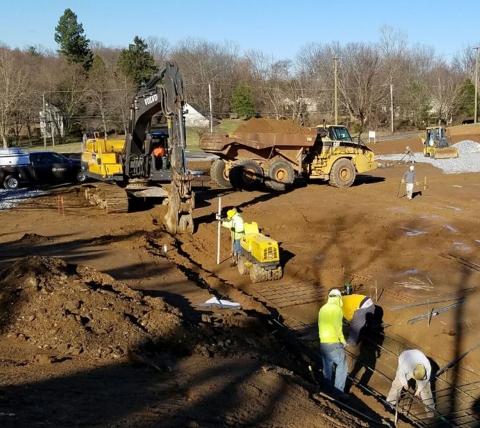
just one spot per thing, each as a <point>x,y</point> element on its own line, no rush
<point>260,256</point>
<point>435,144</point>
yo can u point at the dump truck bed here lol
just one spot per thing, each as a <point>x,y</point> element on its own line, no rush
<point>217,142</point>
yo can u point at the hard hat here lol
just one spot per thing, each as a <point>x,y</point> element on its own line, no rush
<point>231,213</point>
<point>412,167</point>
<point>335,293</point>
<point>419,372</point>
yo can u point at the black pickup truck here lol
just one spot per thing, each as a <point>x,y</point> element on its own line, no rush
<point>38,167</point>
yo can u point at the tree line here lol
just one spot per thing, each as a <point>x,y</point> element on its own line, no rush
<point>92,85</point>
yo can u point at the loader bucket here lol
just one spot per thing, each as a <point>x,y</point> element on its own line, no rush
<point>447,153</point>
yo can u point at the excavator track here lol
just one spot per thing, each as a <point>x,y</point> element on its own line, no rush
<point>109,197</point>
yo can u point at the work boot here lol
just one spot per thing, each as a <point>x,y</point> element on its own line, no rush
<point>234,260</point>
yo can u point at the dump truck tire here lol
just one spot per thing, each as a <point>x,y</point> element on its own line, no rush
<point>342,173</point>
<point>246,174</point>
<point>280,174</point>
<point>242,268</point>
<point>219,175</point>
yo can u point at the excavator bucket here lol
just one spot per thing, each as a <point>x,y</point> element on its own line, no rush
<point>446,153</point>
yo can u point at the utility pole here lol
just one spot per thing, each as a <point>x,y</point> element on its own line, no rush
<point>44,124</point>
<point>210,102</point>
<point>391,107</point>
<point>335,72</point>
<point>476,82</point>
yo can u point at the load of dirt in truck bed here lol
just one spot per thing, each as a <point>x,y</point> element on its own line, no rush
<point>266,125</point>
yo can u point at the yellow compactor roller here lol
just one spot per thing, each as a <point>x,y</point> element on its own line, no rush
<point>260,255</point>
<point>435,144</point>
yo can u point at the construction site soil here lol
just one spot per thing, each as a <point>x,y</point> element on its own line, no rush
<point>103,319</point>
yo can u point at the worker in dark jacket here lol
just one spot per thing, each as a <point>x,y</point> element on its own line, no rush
<point>409,179</point>
<point>358,310</point>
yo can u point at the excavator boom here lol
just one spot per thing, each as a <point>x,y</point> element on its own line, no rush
<point>143,165</point>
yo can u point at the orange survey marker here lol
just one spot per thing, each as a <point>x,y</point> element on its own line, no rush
<point>60,205</point>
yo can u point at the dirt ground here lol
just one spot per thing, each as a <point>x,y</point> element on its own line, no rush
<point>102,322</point>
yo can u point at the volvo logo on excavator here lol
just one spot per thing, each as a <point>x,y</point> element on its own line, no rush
<point>151,99</point>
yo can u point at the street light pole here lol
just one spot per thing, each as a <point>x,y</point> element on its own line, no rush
<point>335,72</point>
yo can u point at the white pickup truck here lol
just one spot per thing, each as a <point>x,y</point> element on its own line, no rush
<point>37,167</point>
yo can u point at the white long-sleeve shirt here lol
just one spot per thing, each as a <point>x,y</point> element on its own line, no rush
<point>407,362</point>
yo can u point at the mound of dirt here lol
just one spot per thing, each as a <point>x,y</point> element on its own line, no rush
<point>261,125</point>
<point>71,310</point>
<point>33,238</point>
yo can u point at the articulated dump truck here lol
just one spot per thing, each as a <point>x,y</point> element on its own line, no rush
<point>247,160</point>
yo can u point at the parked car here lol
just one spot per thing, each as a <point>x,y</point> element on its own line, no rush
<point>18,167</point>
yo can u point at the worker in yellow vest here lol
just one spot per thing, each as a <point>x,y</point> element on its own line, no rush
<point>358,310</point>
<point>234,222</point>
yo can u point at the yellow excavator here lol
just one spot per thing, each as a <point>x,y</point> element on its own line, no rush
<point>435,144</point>
<point>151,161</point>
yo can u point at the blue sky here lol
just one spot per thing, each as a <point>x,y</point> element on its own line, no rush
<point>279,28</point>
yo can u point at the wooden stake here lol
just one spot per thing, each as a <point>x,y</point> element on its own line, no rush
<point>425,183</point>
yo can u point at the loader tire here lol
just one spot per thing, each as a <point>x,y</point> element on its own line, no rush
<point>243,269</point>
<point>219,175</point>
<point>342,173</point>
<point>280,174</point>
<point>246,174</point>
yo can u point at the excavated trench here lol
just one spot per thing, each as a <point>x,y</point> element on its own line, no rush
<point>280,306</point>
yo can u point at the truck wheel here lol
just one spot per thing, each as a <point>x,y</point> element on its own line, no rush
<point>219,175</point>
<point>280,174</point>
<point>11,182</point>
<point>342,173</point>
<point>246,174</point>
<point>81,177</point>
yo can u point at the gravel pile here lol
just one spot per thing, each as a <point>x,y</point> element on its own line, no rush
<point>468,158</point>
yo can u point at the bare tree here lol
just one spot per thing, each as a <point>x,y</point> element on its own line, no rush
<point>159,47</point>
<point>202,64</point>
<point>13,77</point>
<point>359,82</point>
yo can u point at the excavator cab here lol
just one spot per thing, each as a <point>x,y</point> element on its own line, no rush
<point>435,144</point>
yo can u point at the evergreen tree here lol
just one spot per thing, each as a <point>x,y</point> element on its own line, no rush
<point>242,101</point>
<point>467,98</point>
<point>136,62</point>
<point>73,44</point>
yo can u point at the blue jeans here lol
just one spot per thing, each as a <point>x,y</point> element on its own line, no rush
<point>333,353</point>
<point>236,246</point>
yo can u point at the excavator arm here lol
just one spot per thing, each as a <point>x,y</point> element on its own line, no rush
<point>163,93</point>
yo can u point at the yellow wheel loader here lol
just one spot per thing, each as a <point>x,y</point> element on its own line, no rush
<point>435,144</point>
<point>260,256</point>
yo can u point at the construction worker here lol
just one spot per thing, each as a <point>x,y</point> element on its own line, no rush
<point>234,222</point>
<point>358,310</point>
<point>332,344</point>
<point>409,179</point>
<point>412,364</point>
